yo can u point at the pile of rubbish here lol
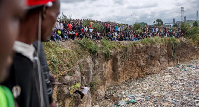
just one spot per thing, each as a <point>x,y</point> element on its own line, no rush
<point>175,86</point>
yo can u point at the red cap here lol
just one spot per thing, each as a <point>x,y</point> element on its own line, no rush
<point>35,3</point>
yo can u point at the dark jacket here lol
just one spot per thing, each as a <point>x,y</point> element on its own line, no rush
<point>24,73</point>
<point>45,69</point>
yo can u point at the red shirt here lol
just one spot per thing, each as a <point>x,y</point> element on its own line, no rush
<point>82,30</point>
<point>69,26</point>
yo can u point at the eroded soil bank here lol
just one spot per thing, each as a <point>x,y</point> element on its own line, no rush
<point>100,71</point>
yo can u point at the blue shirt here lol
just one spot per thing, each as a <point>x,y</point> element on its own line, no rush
<point>116,28</point>
<point>54,34</point>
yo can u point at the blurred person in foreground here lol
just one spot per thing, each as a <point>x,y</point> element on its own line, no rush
<point>26,78</point>
<point>45,70</point>
<point>11,11</point>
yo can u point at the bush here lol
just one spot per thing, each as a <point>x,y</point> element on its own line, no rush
<point>88,45</point>
<point>172,40</point>
<point>193,33</point>
<point>86,23</point>
<point>107,46</point>
<point>184,27</point>
<point>139,31</point>
<point>136,26</point>
<point>98,28</point>
<point>195,24</point>
<point>74,87</point>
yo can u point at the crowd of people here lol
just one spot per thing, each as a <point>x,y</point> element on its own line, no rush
<point>24,73</point>
<point>76,29</point>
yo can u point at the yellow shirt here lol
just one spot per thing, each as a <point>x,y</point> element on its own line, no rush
<point>91,23</point>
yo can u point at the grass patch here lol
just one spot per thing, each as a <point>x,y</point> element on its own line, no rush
<point>159,40</point>
<point>172,40</point>
<point>74,87</point>
<point>88,45</point>
<point>59,58</point>
<point>107,46</point>
<point>133,43</point>
<point>148,41</point>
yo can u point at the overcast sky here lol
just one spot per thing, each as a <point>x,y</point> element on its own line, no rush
<point>130,11</point>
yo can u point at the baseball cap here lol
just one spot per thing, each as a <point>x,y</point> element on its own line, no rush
<point>52,79</point>
<point>36,3</point>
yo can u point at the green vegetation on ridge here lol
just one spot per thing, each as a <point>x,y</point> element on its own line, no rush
<point>61,59</point>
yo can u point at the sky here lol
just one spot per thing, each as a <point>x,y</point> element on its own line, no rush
<point>130,11</point>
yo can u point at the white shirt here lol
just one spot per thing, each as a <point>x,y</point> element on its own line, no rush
<point>73,32</point>
<point>119,29</point>
<point>91,30</point>
<point>25,49</point>
<point>61,26</point>
<point>86,29</point>
<point>98,34</point>
<point>85,90</point>
<point>57,25</point>
<point>156,29</point>
<point>115,33</point>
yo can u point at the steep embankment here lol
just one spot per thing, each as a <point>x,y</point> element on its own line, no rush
<point>103,64</point>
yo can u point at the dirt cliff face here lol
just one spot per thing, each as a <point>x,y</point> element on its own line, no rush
<point>131,62</point>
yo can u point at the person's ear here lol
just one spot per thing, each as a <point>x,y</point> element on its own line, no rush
<point>44,12</point>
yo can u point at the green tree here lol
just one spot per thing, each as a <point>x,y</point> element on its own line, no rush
<point>139,31</point>
<point>86,23</point>
<point>193,33</point>
<point>159,22</point>
<point>184,27</point>
<point>195,24</point>
<point>98,28</point>
<point>136,26</point>
<point>175,25</point>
